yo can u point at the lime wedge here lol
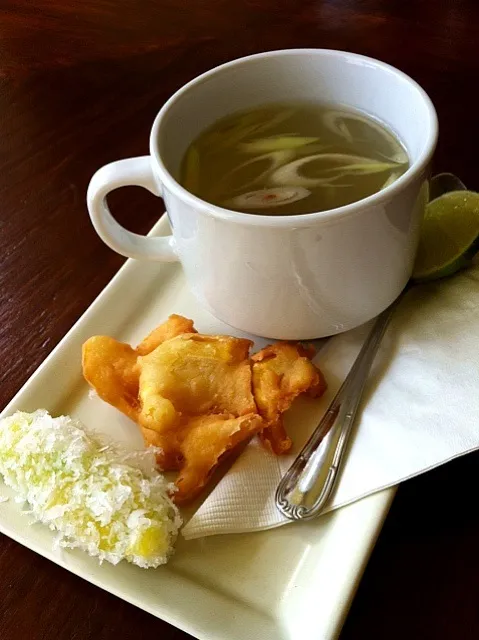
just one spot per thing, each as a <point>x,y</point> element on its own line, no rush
<point>449,235</point>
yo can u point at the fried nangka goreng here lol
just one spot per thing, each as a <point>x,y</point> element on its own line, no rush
<point>198,397</point>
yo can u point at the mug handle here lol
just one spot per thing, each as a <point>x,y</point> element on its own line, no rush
<point>130,172</point>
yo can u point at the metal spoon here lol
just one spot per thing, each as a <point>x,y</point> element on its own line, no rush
<point>307,485</point>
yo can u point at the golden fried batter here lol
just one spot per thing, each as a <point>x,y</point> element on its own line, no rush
<point>281,372</point>
<point>197,397</point>
<point>110,368</point>
<point>174,326</point>
<point>189,376</point>
<point>197,374</point>
<point>199,444</point>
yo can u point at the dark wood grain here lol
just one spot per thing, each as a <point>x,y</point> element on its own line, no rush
<point>80,83</point>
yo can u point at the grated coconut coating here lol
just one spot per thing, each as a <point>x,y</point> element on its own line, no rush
<point>112,505</point>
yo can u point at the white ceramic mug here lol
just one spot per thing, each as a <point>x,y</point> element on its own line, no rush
<point>288,277</point>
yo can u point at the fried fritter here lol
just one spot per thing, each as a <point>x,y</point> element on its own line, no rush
<point>193,376</point>
<point>199,444</point>
<point>198,374</point>
<point>281,372</point>
<point>174,326</point>
<point>110,368</point>
<point>197,397</point>
<point>191,395</point>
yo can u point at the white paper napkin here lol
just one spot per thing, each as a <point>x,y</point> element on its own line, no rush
<point>421,409</point>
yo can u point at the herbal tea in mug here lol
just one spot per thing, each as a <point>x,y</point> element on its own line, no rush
<point>285,276</point>
<point>287,159</point>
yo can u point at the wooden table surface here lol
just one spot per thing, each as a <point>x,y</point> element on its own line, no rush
<point>80,83</point>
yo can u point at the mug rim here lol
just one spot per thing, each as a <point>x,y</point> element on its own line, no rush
<point>302,219</point>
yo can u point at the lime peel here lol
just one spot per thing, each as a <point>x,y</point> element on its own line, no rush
<point>449,235</point>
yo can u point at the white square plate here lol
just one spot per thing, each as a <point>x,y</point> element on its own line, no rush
<point>291,583</point>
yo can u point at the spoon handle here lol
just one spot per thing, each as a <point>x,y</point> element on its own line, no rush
<point>307,485</point>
